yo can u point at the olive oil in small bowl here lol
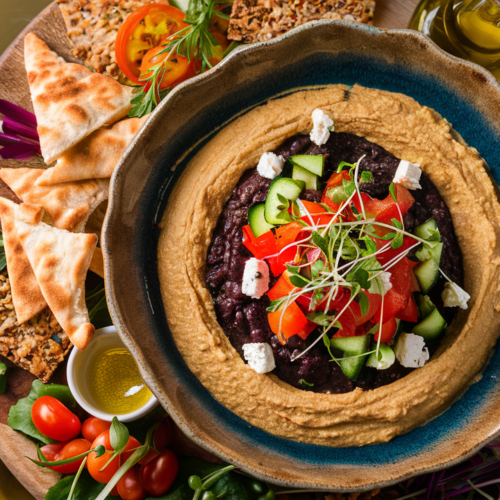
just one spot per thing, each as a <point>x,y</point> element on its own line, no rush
<point>105,380</point>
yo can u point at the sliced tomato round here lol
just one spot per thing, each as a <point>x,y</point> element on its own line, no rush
<point>142,31</point>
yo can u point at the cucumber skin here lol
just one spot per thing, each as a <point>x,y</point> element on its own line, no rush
<point>431,327</point>
<point>422,272</point>
<point>422,230</point>
<point>301,174</point>
<point>386,352</point>
<point>313,163</point>
<point>257,220</point>
<point>354,346</point>
<point>288,188</point>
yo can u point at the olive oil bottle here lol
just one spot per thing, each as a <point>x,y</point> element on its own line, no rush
<point>469,29</point>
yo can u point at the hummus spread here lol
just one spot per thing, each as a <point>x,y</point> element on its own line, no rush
<point>408,131</point>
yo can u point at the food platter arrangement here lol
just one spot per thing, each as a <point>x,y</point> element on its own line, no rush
<point>290,217</point>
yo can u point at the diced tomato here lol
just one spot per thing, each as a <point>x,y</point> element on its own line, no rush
<point>293,322</point>
<point>391,253</point>
<point>304,333</point>
<point>388,331</point>
<point>348,323</point>
<point>414,287</point>
<point>405,200</point>
<point>262,246</point>
<point>375,300</point>
<point>397,297</point>
<point>337,178</point>
<point>281,288</point>
<point>410,312</point>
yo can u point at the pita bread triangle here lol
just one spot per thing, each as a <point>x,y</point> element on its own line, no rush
<point>67,205</point>
<point>96,156</point>
<point>69,100</point>
<point>26,293</point>
<point>60,261</point>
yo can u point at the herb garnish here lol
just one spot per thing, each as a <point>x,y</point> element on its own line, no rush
<point>193,42</point>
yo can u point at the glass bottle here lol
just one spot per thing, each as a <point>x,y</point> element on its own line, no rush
<point>469,29</point>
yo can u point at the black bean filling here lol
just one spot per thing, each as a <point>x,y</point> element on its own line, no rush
<point>244,320</point>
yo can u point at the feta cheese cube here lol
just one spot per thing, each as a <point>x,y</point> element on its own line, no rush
<point>255,278</point>
<point>259,356</point>
<point>408,174</point>
<point>411,351</point>
<point>270,165</point>
<point>454,296</point>
<point>381,283</point>
<point>321,127</point>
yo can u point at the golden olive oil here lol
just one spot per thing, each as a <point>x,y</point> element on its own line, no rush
<point>114,382</point>
<point>465,28</point>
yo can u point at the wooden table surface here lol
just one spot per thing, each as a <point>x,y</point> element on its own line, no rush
<point>388,14</point>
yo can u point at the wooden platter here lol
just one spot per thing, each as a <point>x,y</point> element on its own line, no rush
<point>49,26</point>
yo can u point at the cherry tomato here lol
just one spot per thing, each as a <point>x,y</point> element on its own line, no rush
<point>158,475</point>
<point>94,426</point>
<point>143,30</point>
<point>62,451</point>
<point>129,486</point>
<point>95,464</point>
<point>54,420</point>
<point>161,438</point>
<point>131,445</point>
<point>177,68</point>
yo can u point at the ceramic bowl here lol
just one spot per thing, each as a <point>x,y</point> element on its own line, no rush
<point>78,366</point>
<point>315,54</point>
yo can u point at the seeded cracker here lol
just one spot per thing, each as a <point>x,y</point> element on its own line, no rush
<point>259,20</point>
<point>39,345</point>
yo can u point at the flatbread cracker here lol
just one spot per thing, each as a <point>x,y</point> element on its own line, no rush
<point>26,293</point>
<point>68,205</point>
<point>70,101</point>
<point>96,156</point>
<point>260,20</point>
<point>60,260</point>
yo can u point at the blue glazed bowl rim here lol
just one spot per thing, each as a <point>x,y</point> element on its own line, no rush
<point>114,214</point>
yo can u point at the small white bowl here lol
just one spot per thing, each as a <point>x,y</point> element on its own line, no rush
<point>77,366</point>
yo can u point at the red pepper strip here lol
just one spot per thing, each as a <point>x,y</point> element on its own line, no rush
<point>410,312</point>
<point>390,253</point>
<point>288,234</point>
<point>315,210</point>
<point>388,331</point>
<point>278,263</point>
<point>293,322</point>
<point>337,178</point>
<point>262,246</point>
<point>397,297</point>
<point>281,288</point>
<point>405,200</point>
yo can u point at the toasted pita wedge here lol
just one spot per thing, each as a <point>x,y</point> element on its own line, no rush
<point>60,260</point>
<point>67,205</point>
<point>96,156</point>
<point>69,100</point>
<point>26,294</point>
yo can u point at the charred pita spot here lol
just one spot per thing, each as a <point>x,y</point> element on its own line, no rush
<point>77,113</point>
<point>32,75</point>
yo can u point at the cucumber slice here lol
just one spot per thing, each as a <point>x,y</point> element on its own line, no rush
<point>431,327</point>
<point>428,231</point>
<point>386,358</point>
<point>426,253</point>
<point>287,188</point>
<point>301,174</point>
<point>427,274</point>
<point>257,221</point>
<point>425,305</point>
<point>352,346</point>
<point>313,163</point>
<point>337,194</point>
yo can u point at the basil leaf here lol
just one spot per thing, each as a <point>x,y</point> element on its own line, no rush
<point>20,414</point>
<point>86,488</point>
<point>320,242</point>
<point>366,176</point>
<point>392,190</point>
<point>118,435</point>
<point>396,223</point>
<point>364,303</point>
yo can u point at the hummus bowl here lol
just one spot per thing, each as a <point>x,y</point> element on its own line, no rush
<point>310,57</point>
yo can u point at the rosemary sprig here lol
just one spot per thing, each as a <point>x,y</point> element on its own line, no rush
<point>193,42</point>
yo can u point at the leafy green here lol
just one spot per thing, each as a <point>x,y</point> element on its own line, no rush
<point>86,488</point>
<point>360,276</point>
<point>366,176</point>
<point>98,308</point>
<point>302,381</point>
<point>320,242</point>
<point>320,318</point>
<point>296,279</point>
<point>118,437</point>
<point>343,164</point>
<point>20,414</point>
<point>364,303</point>
<point>3,259</point>
<point>392,190</point>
